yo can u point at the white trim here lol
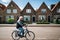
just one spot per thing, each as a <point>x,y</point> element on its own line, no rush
<point>43,10</point>
<point>39,17</point>
<point>58,10</point>
<point>26,16</point>
<point>14,10</point>
<point>28,10</point>
<point>8,11</point>
<point>7,16</point>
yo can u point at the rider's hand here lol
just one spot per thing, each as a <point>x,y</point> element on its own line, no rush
<point>24,27</point>
<point>24,24</point>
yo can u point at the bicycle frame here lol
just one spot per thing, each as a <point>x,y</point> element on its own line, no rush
<point>25,31</point>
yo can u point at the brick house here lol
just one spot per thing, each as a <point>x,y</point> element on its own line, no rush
<point>2,8</point>
<point>29,13</point>
<point>43,13</point>
<point>12,11</point>
<point>55,11</point>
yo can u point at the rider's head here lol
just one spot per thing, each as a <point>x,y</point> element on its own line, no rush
<point>21,18</point>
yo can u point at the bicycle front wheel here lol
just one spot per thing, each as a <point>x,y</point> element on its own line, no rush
<point>30,35</point>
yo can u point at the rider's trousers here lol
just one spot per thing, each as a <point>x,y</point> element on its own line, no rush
<point>21,32</point>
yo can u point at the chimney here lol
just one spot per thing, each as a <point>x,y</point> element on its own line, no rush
<point>52,6</point>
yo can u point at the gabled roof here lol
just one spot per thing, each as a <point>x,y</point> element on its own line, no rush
<point>28,5</point>
<point>13,3</point>
<point>2,6</point>
<point>43,4</point>
<point>55,6</point>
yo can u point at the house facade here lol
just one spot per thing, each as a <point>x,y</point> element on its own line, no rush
<point>12,11</point>
<point>44,13</point>
<point>2,8</point>
<point>29,13</point>
<point>56,12</point>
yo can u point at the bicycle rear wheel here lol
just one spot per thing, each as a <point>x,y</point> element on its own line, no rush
<point>30,35</point>
<point>15,35</point>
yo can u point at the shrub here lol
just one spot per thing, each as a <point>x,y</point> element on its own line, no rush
<point>10,20</point>
<point>57,21</point>
<point>27,22</point>
<point>43,22</point>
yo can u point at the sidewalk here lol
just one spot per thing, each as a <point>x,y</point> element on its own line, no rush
<point>31,25</point>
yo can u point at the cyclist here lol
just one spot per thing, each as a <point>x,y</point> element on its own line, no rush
<point>20,24</point>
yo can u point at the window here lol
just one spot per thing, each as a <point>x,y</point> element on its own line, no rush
<point>26,18</point>
<point>59,20</point>
<point>41,17</point>
<point>28,10</point>
<point>14,10</point>
<point>11,5</point>
<point>58,10</point>
<point>43,10</point>
<point>9,16</point>
<point>8,10</point>
<point>56,16</point>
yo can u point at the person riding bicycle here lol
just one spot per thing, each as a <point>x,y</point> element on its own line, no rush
<point>22,31</point>
<point>20,24</point>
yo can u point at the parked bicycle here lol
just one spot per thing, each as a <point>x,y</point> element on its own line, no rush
<point>29,35</point>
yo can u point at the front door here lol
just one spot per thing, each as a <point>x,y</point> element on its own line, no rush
<point>48,18</point>
<point>33,19</point>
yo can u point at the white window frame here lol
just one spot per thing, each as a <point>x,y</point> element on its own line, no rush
<point>8,17</point>
<point>28,10</point>
<point>11,5</point>
<point>43,10</point>
<point>26,16</point>
<point>58,10</point>
<point>56,16</point>
<point>14,10</point>
<point>40,17</point>
<point>8,10</point>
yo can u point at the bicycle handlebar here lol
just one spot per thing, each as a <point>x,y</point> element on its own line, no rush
<point>26,25</point>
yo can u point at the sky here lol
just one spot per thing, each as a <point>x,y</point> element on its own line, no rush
<point>35,3</point>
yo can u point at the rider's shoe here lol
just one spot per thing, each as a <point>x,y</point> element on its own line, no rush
<point>19,35</point>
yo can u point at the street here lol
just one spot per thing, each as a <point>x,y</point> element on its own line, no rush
<point>41,33</point>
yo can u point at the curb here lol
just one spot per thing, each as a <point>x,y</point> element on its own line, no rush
<point>31,25</point>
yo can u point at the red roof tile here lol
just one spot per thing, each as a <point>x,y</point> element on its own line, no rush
<point>2,6</point>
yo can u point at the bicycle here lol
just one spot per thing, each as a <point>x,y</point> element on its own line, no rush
<point>27,34</point>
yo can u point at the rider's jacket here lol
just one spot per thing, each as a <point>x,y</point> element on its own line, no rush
<point>19,24</point>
